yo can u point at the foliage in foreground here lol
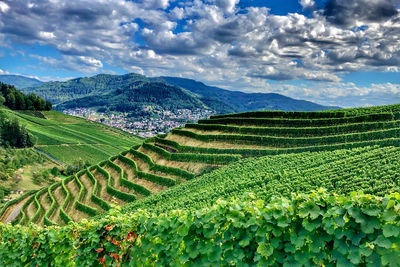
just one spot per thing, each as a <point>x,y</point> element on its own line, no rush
<point>312,229</point>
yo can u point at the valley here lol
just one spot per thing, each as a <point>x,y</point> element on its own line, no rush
<point>144,126</point>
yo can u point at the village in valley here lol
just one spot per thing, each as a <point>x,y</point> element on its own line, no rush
<point>157,122</point>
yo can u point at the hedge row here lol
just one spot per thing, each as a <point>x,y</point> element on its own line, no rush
<point>300,122</point>
<point>174,171</point>
<point>289,141</point>
<point>16,200</point>
<point>54,205</point>
<point>94,196</point>
<point>249,152</point>
<point>64,216</point>
<point>284,114</point>
<point>109,188</point>
<point>40,211</point>
<point>376,109</point>
<point>146,158</point>
<point>190,157</point>
<point>161,180</point>
<point>316,229</point>
<point>22,218</point>
<point>297,131</point>
<point>162,168</point>
<point>123,181</point>
<point>137,187</point>
<point>79,205</point>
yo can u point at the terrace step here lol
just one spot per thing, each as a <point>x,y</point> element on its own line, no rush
<point>59,197</point>
<point>102,192</point>
<point>72,212</point>
<point>131,176</point>
<point>88,185</point>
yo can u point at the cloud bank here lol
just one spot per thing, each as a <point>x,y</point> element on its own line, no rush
<point>212,40</point>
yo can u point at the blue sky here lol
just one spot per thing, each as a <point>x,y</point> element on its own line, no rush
<point>334,52</point>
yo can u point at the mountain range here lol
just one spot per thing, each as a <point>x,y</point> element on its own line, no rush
<point>19,81</point>
<point>133,92</point>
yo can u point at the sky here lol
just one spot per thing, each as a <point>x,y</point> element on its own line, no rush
<point>334,52</point>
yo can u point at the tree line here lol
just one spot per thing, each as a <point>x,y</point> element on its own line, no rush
<point>16,100</point>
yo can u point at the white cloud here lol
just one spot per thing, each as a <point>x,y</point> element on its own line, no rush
<point>215,43</point>
<point>3,72</point>
<point>154,4</point>
<point>227,5</point>
<point>307,3</point>
<point>4,7</point>
<point>46,35</point>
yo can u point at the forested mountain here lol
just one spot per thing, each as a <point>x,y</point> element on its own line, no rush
<point>58,92</point>
<point>137,96</point>
<point>19,81</point>
<point>99,89</point>
<point>241,101</point>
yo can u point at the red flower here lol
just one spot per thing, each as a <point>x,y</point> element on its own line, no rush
<point>115,256</point>
<point>109,227</point>
<point>34,255</point>
<point>102,260</point>
<point>11,240</point>
<point>131,235</point>
<point>99,250</point>
<point>115,242</point>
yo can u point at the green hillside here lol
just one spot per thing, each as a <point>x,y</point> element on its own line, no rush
<point>134,98</point>
<point>69,139</point>
<point>106,90</point>
<point>192,167</point>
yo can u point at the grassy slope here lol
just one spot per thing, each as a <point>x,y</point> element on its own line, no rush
<point>68,138</point>
<point>370,169</point>
<point>19,165</point>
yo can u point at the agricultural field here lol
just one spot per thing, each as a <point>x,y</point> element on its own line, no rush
<point>300,170</point>
<point>69,139</point>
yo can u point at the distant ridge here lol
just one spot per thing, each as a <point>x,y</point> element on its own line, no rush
<point>241,101</point>
<point>20,81</point>
<point>101,91</point>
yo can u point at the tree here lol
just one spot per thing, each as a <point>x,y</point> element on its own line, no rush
<point>20,101</point>
<point>10,100</point>
<point>2,100</point>
<point>48,106</point>
<point>15,99</point>
<point>14,135</point>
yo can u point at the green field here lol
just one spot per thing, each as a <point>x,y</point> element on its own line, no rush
<point>281,159</point>
<point>69,139</point>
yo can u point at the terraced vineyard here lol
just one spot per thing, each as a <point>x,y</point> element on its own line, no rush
<point>342,151</point>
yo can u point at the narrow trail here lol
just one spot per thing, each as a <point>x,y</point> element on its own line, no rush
<point>50,157</point>
<point>15,212</point>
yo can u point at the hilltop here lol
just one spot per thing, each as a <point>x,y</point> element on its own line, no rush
<point>135,97</point>
<point>20,81</point>
<point>217,99</point>
<point>241,102</point>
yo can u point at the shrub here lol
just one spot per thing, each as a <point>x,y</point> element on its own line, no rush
<point>316,229</point>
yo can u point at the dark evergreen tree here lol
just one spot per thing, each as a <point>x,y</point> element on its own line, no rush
<point>15,99</point>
